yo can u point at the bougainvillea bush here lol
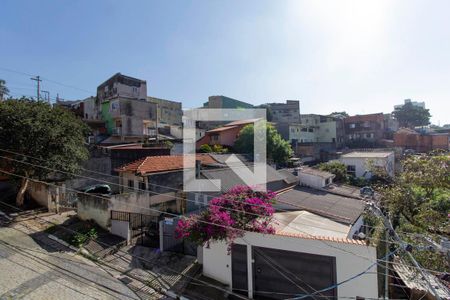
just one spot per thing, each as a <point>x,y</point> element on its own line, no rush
<point>228,216</point>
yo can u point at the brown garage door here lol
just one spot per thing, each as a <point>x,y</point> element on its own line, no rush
<point>280,274</point>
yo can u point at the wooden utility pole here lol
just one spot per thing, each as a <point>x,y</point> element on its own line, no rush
<point>38,80</point>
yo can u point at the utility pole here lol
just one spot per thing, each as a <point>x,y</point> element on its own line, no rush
<point>47,93</point>
<point>390,228</point>
<point>38,80</point>
<point>386,266</point>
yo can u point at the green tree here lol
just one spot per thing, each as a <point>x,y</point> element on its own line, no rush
<point>4,91</point>
<point>205,148</point>
<point>418,201</point>
<point>339,114</point>
<point>336,168</point>
<point>278,150</point>
<point>53,136</point>
<point>410,115</point>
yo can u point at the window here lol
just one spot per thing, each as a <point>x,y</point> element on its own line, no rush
<point>141,185</point>
<point>351,170</point>
<point>205,199</point>
<point>196,199</point>
<point>352,125</point>
<point>131,183</point>
<point>215,137</point>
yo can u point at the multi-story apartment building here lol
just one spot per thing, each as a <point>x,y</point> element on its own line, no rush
<point>408,101</point>
<point>321,129</point>
<point>288,112</point>
<point>122,86</point>
<point>169,112</point>
<point>225,102</point>
<point>369,128</point>
<point>125,109</point>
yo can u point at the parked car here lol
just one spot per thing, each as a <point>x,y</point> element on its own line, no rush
<point>103,189</point>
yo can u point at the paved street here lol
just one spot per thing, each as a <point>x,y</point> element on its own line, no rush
<point>29,271</point>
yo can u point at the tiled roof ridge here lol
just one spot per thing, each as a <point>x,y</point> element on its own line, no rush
<point>123,167</point>
<point>321,238</point>
<point>138,169</point>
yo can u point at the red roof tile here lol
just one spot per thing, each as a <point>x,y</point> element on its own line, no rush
<point>321,238</point>
<point>155,164</point>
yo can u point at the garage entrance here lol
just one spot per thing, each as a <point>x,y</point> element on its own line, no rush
<point>281,274</point>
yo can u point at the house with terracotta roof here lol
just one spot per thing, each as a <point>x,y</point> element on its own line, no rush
<point>225,135</point>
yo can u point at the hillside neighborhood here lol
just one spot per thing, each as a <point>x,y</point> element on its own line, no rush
<point>125,208</point>
<point>225,150</point>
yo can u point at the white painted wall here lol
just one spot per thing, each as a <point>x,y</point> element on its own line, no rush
<point>362,165</point>
<point>217,263</point>
<point>311,180</point>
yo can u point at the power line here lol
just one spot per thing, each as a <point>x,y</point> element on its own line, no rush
<point>344,281</point>
<point>56,170</point>
<point>121,251</point>
<point>182,216</point>
<point>47,79</point>
<point>233,228</point>
<point>288,225</point>
<point>162,186</point>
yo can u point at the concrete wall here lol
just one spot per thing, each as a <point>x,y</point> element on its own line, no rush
<point>98,165</point>
<point>169,112</point>
<point>311,180</point>
<point>94,208</point>
<point>217,263</point>
<point>91,207</point>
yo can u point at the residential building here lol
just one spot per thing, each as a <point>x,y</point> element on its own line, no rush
<point>367,129</point>
<point>170,113</point>
<point>122,86</point>
<point>390,125</point>
<point>225,102</point>
<point>225,135</point>
<point>288,112</point>
<point>291,132</point>
<point>338,208</point>
<point>325,129</point>
<point>129,120</point>
<point>406,138</point>
<point>409,101</point>
<point>318,249</point>
<point>314,178</point>
<point>89,111</point>
<point>126,153</point>
<point>147,187</point>
<point>361,164</point>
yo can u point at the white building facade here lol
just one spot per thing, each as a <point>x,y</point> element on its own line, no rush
<point>343,259</point>
<point>361,164</point>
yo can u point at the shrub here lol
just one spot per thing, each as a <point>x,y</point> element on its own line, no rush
<point>205,148</point>
<point>228,216</point>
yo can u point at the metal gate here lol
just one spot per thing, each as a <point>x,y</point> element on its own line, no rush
<point>239,269</point>
<point>144,229</point>
<point>171,243</point>
<point>303,274</point>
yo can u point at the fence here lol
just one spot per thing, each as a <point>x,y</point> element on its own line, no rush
<point>169,242</point>
<point>144,229</point>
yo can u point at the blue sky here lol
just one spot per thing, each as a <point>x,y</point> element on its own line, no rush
<point>352,55</point>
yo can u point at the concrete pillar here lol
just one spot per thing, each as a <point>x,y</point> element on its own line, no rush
<point>250,271</point>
